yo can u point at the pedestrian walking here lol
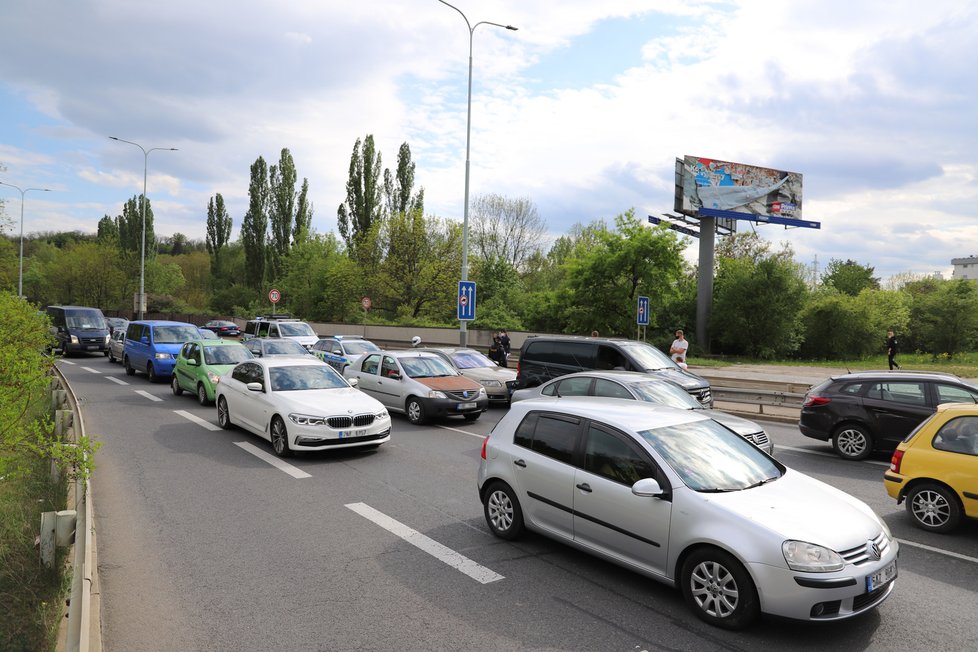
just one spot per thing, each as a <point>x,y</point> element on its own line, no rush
<point>891,349</point>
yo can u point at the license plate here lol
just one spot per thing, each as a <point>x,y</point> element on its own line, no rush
<point>91,346</point>
<point>881,577</point>
<point>352,433</point>
<point>466,406</point>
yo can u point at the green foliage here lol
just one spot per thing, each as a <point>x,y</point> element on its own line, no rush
<point>219,225</point>
<point>398,187</point>
<point>108,231</point>
<point>944,315</point>
<point>837,326</point>
<point>321,282</point>
<point>363,208</point>
<point>86,273</point>
<point>130,227</point>
<point>849,277</point>
<point>254,227</point>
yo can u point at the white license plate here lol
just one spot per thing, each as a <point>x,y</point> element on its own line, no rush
<point>881,577</point>
<point>466,406</point>
<point>346,434</point>
<point>92,346</point>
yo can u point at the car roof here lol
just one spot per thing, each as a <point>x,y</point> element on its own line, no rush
<point>162,322</point>
<point>290,361</point>
<point>963,408</point>
<point>624,413</point>
<point>408,353</point>
<point>217,342</point>
<point>584,338</point>
<point>897,374</point>
<point>613,374</point>
<point>344,337</point>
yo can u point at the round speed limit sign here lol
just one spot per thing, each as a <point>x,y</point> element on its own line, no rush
<point>274,296</point>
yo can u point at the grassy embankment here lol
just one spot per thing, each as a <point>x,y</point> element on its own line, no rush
<point>964,365</point>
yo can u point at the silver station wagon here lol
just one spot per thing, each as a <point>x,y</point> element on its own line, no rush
<point>676,496</point>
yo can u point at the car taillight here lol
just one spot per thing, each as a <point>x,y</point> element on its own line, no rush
<point>484,442</point>
<point>896,460</point>
<point>814,399</point>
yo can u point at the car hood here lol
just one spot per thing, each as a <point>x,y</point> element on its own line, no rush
<point>682,378</point>
<point>304,340</point>
<point>329,402</point>
<point>739,425</point>
<point>219,369</point>
<point>450,383</point>
<point>490,373</point>
<point>802,508</point>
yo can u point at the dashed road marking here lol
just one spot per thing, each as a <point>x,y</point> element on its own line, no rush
<point>464,432</point>
<point>940,551</point>
<point>200,422</point>
<point>274,461</point>
<point>833,455</point>
<point>92,370</point>
<point>117,381</point>
<point>440,552</point>
<point>147,395</point>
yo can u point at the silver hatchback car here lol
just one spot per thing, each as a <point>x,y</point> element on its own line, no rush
<point>676,496</point>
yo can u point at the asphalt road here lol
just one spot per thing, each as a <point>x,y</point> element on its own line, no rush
<point>204,545</point>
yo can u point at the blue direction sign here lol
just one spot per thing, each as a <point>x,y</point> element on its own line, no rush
<point>466,300</point>
<point>643,311</point>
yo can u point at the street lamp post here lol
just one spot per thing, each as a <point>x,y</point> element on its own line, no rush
<point>20,277</point>
<point>142,250</point>
<point>462,333</point>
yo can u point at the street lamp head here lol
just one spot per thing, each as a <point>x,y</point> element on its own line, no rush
<point>510,27</point>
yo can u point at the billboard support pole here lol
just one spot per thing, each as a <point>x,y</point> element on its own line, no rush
<point>704,282</point>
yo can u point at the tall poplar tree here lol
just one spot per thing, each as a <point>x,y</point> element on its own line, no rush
<point>130,226</point>
<point>399,186</point>
<point>218,231</point>
<point>254,226</point>
<point>364,202</point>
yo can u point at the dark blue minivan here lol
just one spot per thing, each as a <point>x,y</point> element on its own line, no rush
<point>79,329</point>
<point>152,346</point>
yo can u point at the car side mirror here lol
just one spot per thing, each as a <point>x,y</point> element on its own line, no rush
<point>258,387</point>
<point>144,339</point>
<point>647,487</point>
<point>354,382</point>
<point>191,362</point>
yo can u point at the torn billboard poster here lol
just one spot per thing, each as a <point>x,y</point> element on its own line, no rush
<point>740,188</point>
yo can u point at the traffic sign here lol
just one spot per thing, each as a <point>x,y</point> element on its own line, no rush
<point>365,303</point>
<point>274,296</point>
<point>643,311</point>
<point>466,300</point>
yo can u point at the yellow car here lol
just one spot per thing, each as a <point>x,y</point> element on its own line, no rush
<point>935,469</point>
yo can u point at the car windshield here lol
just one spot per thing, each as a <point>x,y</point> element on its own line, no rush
<point>471,360</point>
<point>295,329</point>
<point>359,347</point>
<point>284,347</point>
<point>226,354</point>
<point>175,334</point>
<point>648,357</point>
<point>710,458</point>
<point>426,367</point>
<point>290,379</point>
<point>666,393</point>
<point>223,324</point>
<point>208,335</point>
<point>82,319</point>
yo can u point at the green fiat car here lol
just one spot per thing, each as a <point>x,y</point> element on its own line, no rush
<point>201,363</point>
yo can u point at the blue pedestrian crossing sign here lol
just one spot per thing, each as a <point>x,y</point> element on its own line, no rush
<point>466,300</point>
<point>643,311</point>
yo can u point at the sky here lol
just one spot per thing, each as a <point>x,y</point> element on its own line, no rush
<point>583,110</point>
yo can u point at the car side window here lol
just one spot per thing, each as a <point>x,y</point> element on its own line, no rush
<point>337,349</point>
<point>263,329</point>
<point>907,393</point>
<point>611,456</point>
<point>610,389</point>
<point>851,389</point>
<point>952,394</point>
<point>255,374</point>
<point>194,353</point>
<point>185,350</point>
<point>389,367</point>
<point>573,386</point>
<point>240,373</point>
<point>611,358</point>
<point>549,390</point>
<point>371,364</point>
<point>958,436</point>
<point>551,435</point>
<point>575,354</point>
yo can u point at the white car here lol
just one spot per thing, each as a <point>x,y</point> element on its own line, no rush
<point>677,497</point>
<point>300,404</point>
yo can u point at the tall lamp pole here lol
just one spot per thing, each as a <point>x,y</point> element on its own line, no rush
<point>20,277</point>
<point>462,333</point>
<point>142,250</point>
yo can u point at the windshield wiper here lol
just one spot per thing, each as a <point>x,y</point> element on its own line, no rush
<point>764,481</point>
<point>715,490</point>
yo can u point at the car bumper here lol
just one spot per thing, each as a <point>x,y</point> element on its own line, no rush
<point>320,438</point>
<point>894,485</point>
<point>822,596</point>
<point>84,347</point>
<point>163,367</point>
<point>439,407</point>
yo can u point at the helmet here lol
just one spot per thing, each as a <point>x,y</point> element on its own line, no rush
<point>416,340</point>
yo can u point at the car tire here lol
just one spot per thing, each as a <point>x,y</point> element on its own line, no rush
<point>852,442</point>
<point>129,370</point>
<point>502,510</point>
<point>202,394</point>
<point>280,437</point>
<point>415,411</point>
<point>151,373</point>
<point>933,507</point>
<point>719,589</point>
<point>175,385</point>
<point>472,416</point>
<point>223,414</point>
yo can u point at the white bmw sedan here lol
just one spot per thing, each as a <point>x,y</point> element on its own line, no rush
<point>300,404</point>
<point>676,496</point>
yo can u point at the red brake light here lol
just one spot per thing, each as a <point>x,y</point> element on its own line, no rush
<point>814,399</point>
<point>896,460</point>
<point>484,442</point>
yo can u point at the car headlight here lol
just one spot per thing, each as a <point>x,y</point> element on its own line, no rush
<point>436,394</point>
<point>482,391</point>
<point>164,356</point>
<point>213,377</point>
<point>811,558</point>
<point>107,338</point>
<point>380,416</point>
<point>74,339</point>
<point>491,383</point>
<point>307,419</point>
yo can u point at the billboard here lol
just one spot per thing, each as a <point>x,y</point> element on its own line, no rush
<point>722,187</point>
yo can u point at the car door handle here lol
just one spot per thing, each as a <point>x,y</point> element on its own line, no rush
<point>585,487</point>
<point>520,463</point>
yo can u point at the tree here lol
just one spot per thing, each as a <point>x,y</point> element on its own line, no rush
<point>254,226</point>
<point>130,227</point>
<point>363,207</point>
<point>849,277</point>
<point>281,207</point>
<point>321,281</point>
<point>87,274</point>
<point>398,188</point>
<point>944,315</point>
<point>506,228</point>
<point>303,215</point>
<point>108,230</point>
<point>218,231</point>
<point>837,326</point>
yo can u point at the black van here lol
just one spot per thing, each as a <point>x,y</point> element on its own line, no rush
<point>79,329</point>
<point>543,357</point>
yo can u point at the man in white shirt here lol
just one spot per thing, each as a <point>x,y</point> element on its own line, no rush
<point>678,349</point>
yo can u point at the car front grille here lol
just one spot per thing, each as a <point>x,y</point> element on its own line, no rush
<point>359,421</point>
<point>458,396</point>
<point>704,396</point>
<point>859,555</point>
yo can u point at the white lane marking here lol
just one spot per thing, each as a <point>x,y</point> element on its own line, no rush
<point>274,461</point>
<point>811,452</point>
<point>200,422</point>
<point>90,369</point>
<point>66,362</point>
<point>464,432</point>
<point>956,555</point>
<point>117,381</point>
<point>442,553</point>
<point>147,395</point>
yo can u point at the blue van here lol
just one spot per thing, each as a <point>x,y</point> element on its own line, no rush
<point>79,329</point>
<point>152,346</point>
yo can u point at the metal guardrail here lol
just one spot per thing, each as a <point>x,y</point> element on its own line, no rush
<point>759,397</point>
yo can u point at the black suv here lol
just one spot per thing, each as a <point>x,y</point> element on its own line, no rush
<point>543,357</point>
<point>876,410</point>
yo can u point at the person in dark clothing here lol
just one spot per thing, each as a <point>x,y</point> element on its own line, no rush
<point>496,352</point>
<point>891,349</point>
<point>504,340</point>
